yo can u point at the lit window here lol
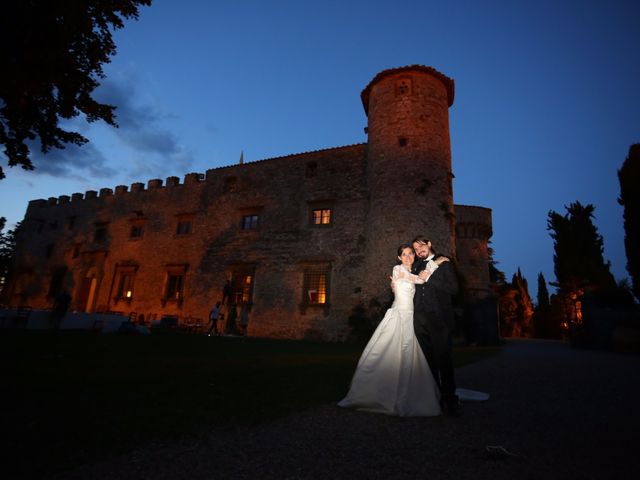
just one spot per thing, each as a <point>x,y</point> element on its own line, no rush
<point>175,286</point>
<point>316,285</point>
<point>125,286</point>
<point>321,216</point>
<point>250,222</point>
<point>242,280</point>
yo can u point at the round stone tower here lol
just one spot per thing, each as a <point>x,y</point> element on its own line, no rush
<point>408,166</point>
<point>473,231</point>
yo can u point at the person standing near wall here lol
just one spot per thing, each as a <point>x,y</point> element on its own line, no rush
<point>213,317</point>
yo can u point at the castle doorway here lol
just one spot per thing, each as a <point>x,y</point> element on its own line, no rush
<point>87,291</point>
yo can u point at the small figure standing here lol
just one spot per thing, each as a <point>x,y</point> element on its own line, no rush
<point>213,317</point>
<point>244,318</point>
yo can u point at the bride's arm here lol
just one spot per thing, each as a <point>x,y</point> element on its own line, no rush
<point>400,273</point>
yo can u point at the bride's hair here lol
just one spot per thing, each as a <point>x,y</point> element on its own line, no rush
<point>402,247</point>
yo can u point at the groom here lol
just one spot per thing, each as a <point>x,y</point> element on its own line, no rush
<point>433,320</point>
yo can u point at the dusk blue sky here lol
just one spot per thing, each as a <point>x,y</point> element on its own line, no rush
<point>547,101</point>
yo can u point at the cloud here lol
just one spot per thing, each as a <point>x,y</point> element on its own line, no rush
<point>150,146</point>
<point>140,126</point>
<point>71,162</point>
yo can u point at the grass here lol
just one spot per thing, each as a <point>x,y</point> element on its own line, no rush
<point>73,397</point>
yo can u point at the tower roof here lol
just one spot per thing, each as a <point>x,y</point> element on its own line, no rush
<point>448,82</point>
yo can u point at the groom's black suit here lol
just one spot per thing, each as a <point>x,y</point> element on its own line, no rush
<point>433,322</point>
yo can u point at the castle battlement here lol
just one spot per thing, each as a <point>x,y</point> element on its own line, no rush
<point>211,175</point>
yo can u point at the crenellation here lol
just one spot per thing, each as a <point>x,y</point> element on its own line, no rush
<point>63,199</point>
<point>191,178</point>
<point>89,194</point>
<point>106,192</point>
<point>76,197</point>
<point>172,181</point>
<point>137,187</point>
<point>210,175</point>
<point>121,189</point>
<point>154,184</point>
<point>37,203</point>
<point>52,201</point>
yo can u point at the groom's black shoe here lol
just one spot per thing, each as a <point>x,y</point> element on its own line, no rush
<point>451,407</point>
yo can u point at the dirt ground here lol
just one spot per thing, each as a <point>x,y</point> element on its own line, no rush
<point>555,412</point>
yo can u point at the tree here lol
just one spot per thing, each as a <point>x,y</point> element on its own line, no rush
<point>496,276</point>
<point>543,321</point>
<point>7,250</point>
<point>629,178</point>
<point>578,250</point>
<point>516,309</point>
<point>51,57</point>
<point>543,293</point>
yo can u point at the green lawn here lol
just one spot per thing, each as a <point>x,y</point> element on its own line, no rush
<point>72,397</point>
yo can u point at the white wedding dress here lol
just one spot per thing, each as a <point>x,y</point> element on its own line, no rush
<point>392,375</point>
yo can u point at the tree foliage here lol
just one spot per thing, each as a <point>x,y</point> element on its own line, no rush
<point>629,177</point>
<point>578,249</point>
<point>51,57</point>
<point>545,324</point>
<point>516,308</point>
<point>7,250</point>
<point>543,293</point>
<point>496,276</point>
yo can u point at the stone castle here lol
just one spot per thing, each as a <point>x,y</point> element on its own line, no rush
<point>306,239</point>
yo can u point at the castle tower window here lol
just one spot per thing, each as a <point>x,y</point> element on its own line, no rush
<point>403,86</point>
<point>316,284</point>
<point>250,222</point>
<point>321,216</point>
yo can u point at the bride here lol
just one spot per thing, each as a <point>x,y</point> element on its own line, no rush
<point>392,375</point>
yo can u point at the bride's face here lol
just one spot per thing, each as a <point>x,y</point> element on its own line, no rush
<point>406,257</point>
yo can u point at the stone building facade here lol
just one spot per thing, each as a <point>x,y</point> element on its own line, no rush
<point>305,239</point>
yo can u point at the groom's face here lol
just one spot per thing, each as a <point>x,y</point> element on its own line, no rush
<point>423,250</point>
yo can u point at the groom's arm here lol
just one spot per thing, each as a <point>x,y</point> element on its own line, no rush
<point>445,278</point>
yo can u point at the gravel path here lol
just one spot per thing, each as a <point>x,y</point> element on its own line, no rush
<point>558,413</point>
